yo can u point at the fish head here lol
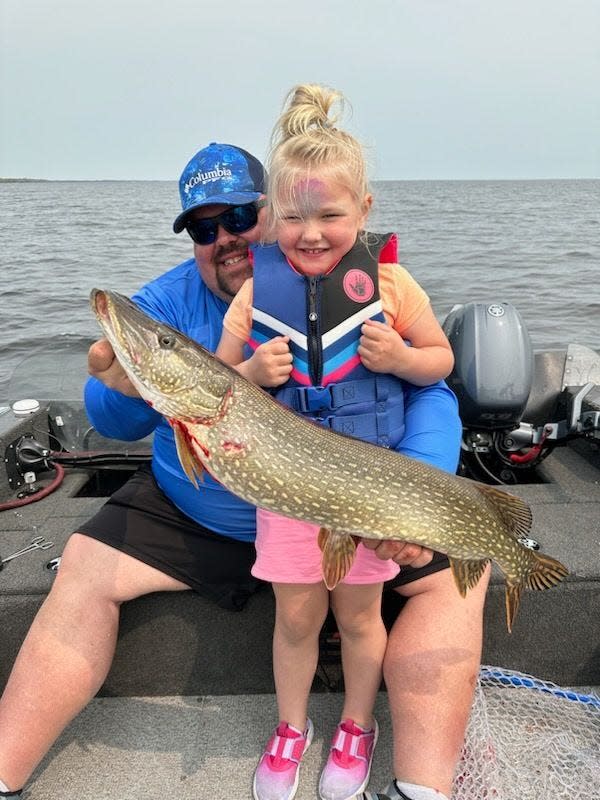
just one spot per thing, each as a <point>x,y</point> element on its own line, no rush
<point>174,374</point>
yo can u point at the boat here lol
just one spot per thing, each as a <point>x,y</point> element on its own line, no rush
<point>185,669</point>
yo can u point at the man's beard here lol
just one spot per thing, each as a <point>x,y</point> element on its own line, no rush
<point>228,281</point>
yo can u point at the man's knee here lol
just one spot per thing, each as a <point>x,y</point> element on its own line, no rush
<point>92,568</point>
<point>84,559</point>
<point>79,549</point>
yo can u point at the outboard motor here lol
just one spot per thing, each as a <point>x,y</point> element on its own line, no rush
<point>516,405</point>
<point>492,379</point>
<point>493,371</point>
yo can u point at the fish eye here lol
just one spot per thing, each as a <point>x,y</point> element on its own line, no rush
<point>166,341</point>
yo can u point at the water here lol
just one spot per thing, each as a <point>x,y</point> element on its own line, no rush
<point>533,243</point>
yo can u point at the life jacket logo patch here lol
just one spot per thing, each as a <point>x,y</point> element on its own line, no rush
<point>358,286</point>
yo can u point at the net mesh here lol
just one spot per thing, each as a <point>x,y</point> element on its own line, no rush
<point>529,739</point>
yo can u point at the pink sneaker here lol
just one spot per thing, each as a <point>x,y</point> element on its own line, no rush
<point>276,776</point>
<point>348,767</point>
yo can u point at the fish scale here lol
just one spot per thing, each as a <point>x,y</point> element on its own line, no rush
<point>278,460</point>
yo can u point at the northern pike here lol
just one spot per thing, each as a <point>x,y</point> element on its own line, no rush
<point>276,459</point>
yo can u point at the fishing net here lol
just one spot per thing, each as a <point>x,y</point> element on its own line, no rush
<point>529,739</point>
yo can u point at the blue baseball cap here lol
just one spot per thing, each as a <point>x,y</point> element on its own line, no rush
<point>219,173</point>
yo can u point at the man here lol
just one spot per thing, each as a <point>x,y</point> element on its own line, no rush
<point>69,650</point>
<point>159,534</point>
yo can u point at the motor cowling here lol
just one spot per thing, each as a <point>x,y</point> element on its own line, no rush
<point>494,364</point>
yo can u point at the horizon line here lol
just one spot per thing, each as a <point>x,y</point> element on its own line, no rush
<point>374,180</point>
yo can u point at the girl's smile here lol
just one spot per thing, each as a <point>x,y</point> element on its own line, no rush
<point>320,224</point>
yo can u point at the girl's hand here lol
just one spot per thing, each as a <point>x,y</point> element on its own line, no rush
<point>271,363</point>
<point>382,349</point>
<point>430,358</point>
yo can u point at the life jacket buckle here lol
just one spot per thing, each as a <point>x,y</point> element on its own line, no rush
<point>314,398</point>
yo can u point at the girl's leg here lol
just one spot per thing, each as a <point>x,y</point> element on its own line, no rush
<point>357,610</point>
<point>301,610</point>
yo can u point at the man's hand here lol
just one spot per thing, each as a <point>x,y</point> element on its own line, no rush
<point>406,554</point>
<point>270,364</point>
<point>103,365</point>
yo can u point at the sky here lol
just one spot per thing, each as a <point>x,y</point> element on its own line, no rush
<point>438,89</point>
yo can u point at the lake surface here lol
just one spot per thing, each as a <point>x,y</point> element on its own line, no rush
<point>535,244</point>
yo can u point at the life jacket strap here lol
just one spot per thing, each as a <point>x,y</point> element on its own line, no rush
<point>310,399</point>
<point>384,428</point>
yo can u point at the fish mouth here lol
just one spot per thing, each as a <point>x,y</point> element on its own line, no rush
<point>99,302</point>
<point>102,300</point>
<point>125,339</point>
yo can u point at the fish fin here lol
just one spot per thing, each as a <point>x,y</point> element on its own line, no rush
<point>545,572</point>
<point>513,598</point>
<point>189,462</point>
<point>467,573</point>
<point>338,550</point>
<point>322,537</point>
<point>514,512</point>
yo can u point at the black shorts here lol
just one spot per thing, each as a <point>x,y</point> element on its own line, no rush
<point>141,521</point>
<point>410,574</point>
<point>392,602</point>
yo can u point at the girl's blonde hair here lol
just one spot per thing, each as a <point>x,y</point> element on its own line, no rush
<point>306,139</point>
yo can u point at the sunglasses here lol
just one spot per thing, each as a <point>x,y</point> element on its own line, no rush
<point>236,219</point>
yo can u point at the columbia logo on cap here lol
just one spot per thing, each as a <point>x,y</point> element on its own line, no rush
<point>205,177</point>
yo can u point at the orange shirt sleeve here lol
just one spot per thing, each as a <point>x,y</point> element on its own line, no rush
<point>402,298</point>
<point>238,318</point>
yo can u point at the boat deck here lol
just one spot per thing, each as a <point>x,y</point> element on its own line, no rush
<point>189,699</point>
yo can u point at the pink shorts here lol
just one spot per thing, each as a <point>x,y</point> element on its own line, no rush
<point>287,552</point>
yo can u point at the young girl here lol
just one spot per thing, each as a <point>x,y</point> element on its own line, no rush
<point>325,322</point>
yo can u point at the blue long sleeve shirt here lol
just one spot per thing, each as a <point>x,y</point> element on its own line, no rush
<point>181,299</point>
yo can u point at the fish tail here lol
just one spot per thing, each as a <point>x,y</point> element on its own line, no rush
<point>338,554</point>
<point>544,573</point>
